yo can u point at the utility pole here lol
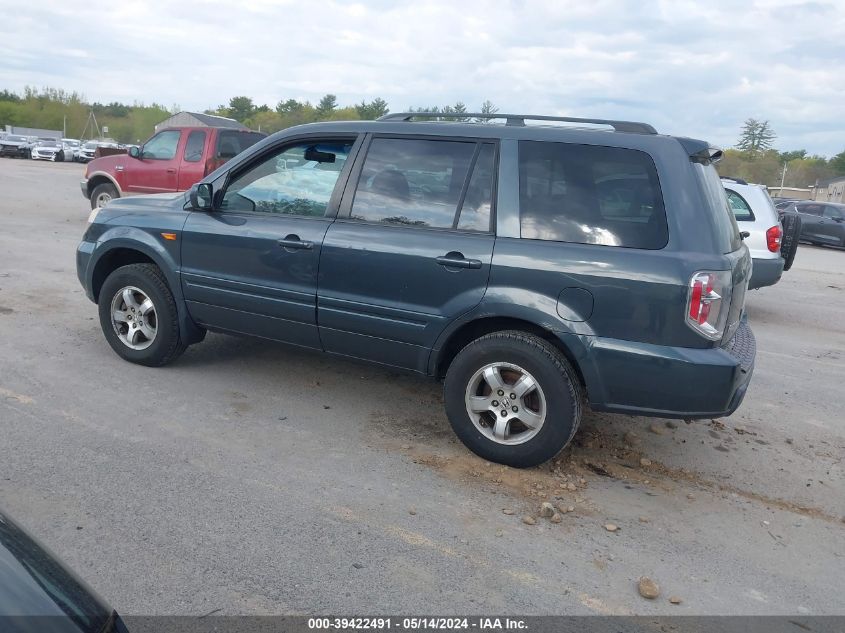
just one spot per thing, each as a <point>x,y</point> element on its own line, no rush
<point>782,178</point>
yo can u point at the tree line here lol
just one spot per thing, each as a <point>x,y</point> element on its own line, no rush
<point>55,109</point>
<point>290,112</point>
<point>754,159</point>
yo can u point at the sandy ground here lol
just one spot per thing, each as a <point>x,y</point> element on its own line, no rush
<point>252,478</point>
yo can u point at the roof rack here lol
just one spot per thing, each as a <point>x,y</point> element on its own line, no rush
<point>520,119</point>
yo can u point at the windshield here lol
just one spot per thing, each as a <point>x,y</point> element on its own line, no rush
<point>16,139</point>
<point>48,144</point>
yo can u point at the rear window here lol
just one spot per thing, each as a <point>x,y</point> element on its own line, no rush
<point>590,195</point>
<point>231,143</point>
<point>727,230</point>
<point>741,209</point>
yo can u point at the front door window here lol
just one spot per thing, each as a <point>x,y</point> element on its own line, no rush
<point>162,146</point>
<point>298,180</point>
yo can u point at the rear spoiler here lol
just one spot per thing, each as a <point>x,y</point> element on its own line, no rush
<point>701,151</point>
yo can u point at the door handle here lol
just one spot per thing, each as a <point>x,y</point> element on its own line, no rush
<point>457,260</point>
<point>293,243</point>
<point>171,170</point>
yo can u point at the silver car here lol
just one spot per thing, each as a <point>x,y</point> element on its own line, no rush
<point>48,150</point>
<point>87,151</point>
<point>71,148</point>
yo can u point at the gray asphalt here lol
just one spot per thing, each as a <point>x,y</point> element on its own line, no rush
<point>252,478</point>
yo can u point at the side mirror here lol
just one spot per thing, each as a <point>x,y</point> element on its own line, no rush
<point>201,196</point>
<point>134,152</point>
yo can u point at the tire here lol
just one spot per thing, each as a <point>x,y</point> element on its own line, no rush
<point>143,282</point>
<point>557,395</point>
<point>103,194</point>
<point>59,158</point>
<point>789,242</point>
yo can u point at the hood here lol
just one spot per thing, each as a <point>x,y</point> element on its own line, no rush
<point>151,201</point>
<point>171,203</point>
<point>106,163</point>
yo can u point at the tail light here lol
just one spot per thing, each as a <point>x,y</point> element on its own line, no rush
<point>708,303</point>
<point>773,236</point>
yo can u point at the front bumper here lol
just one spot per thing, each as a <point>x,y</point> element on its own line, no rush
<point>672,382</point>
<point>765,272</point>
<point>11,150</point>
<point>83,260</point>
<point>83,184</point>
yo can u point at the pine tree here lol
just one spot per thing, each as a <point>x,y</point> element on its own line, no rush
<point>756,136</point>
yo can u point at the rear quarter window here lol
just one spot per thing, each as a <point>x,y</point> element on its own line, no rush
<point>590,195</point>
<point>230,143</point>
<point>727,230</point>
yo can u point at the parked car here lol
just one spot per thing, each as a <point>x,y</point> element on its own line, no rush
<point>15,146</point>
<point>618,274</point>
<point>87,151</point>
<point>172,160</point>
<point>823,223</point>
<point>38,593</point>
<point>771,251</point>
<point>783,203</point>
<point>48,149</point>
<point>71,147</point>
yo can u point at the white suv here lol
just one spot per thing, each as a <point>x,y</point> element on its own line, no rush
<point>756,214</point>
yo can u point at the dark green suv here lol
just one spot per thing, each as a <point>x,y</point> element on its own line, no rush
<point>533,268</point>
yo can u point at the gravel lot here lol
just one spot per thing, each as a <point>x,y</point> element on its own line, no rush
<point>253,478</point>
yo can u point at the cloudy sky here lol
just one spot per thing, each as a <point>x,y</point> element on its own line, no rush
<point>690,68</point>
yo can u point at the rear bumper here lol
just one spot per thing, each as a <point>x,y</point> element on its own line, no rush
<point>765,272</point>
<point>672,382</point>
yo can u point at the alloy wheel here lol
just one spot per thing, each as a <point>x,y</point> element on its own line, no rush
<point>505,403</point>
<point>133,317</point>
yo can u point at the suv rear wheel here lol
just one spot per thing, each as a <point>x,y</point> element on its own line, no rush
<point>138,315</point>
<point>513,398</point>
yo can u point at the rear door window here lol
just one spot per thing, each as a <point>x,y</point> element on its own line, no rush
<point>590,195</point>
<point>420,182</point>
<point>833,212</point>
<point>194,146</point>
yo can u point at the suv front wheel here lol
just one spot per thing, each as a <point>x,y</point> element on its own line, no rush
<point>138,315</point>
<point>513,398</point>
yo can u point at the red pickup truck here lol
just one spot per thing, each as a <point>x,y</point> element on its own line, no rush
<point>172,160</point>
